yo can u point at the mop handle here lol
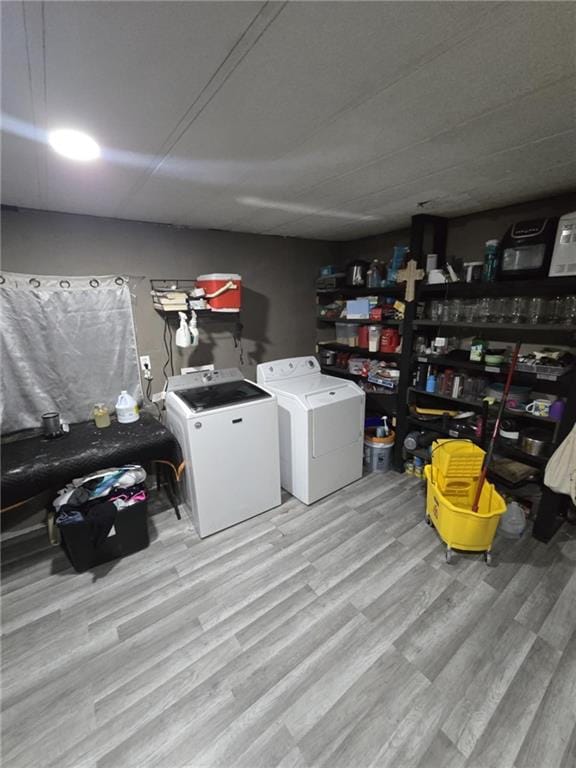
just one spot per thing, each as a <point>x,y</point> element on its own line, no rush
<point>490,451</point>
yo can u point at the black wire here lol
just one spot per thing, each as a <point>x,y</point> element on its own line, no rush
<point>164,339</point>
<point>171,350</point>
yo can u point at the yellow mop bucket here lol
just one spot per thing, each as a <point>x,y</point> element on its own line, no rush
<point>452,516</point>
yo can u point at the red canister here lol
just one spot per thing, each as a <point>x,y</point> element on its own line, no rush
<point>389,340</point>
<point>363,337</point>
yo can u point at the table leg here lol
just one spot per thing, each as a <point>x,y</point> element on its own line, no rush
<point>172,494</point>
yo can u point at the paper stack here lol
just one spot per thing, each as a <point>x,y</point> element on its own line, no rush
<point>170,301</point>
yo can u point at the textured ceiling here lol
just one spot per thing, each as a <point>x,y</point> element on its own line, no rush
<point>312,119</point>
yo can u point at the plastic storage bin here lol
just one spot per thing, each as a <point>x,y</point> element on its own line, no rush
<point>347,333</point>
<point>128,535</point>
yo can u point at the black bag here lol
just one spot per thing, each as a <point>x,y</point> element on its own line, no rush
<point>85,547</point>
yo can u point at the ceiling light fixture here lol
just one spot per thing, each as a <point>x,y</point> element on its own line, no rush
<point>74,145</point>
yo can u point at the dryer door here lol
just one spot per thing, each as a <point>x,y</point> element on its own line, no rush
<point>337,419</point>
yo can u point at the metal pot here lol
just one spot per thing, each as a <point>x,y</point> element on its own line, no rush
<point>533,441</point>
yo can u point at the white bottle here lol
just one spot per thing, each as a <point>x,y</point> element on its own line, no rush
<point>126,408</point>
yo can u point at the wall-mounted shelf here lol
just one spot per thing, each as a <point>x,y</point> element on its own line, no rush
<point>545,333</point>
<point>550,286</point>
<point>393,291</point>
<point>203,316</point>
<point>358,350</point>
<point>363,321</point>
<point>469,404</point>
<point>431,426</point>
<point>482,368</point>
<point>515,453</point>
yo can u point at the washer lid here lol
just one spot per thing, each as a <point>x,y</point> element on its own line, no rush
<point>221,395</point>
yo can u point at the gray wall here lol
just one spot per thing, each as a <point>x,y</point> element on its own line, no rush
<point>466,234</point>
<point>278,277</point>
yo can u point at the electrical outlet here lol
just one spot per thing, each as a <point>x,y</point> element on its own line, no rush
<point>145,363</point>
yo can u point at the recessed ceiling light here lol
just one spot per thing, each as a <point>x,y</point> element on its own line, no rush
<point>74,144</point>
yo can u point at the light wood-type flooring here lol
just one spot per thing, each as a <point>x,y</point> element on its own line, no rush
<point>334,635</point>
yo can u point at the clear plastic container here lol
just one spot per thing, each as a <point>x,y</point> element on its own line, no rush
<point>101,415</point>
<point>373,337</point>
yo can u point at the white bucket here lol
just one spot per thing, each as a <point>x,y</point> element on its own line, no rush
<point>377,456</point>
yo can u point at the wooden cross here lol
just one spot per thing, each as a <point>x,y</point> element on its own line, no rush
<point>409,275</point>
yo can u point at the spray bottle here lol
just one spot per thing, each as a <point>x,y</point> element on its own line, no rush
<point>193,327</point>
<point>183,339</point>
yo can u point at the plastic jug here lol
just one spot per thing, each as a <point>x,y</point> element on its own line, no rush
<point>513,521</point>
<point>126,408</point>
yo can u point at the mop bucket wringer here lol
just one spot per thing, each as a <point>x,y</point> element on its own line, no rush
<point>449,503</point>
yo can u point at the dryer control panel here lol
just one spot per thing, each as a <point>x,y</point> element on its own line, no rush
<point>279,370</point>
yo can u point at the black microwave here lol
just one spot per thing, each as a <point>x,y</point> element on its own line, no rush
<point>526,250</point>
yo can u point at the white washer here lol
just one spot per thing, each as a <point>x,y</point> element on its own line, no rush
<point>321,427</point>
<point>227,428</point>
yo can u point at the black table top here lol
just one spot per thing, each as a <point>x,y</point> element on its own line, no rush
<point>32,463</point>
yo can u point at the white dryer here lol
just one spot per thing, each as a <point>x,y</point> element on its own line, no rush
<point>227,428</point>
<point>321,427</point>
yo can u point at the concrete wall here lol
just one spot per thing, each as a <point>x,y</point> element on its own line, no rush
<point>278,276</point>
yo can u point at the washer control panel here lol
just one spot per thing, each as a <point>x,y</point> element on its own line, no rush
<point>203,379</point>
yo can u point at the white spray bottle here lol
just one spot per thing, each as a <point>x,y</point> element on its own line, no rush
<point>193,327</point>
<point>183,339</point>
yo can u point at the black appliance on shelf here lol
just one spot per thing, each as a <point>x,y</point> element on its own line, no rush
<point>526,250</point>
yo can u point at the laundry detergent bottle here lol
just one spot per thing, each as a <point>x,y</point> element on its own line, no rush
<point>126,408</point>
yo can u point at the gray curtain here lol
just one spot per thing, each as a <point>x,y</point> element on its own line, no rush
<point>66,343</point>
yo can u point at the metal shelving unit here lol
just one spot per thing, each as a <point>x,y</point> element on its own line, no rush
<point>428,235</point>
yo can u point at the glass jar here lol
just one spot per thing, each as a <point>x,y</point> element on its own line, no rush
<point>435,310</point>
<point>469,310</point>
<point>569,315</point>
<point>536,310</point>
<point>101,415</point>
<point>554,311</point>
<point>455,311</point>
<point>498,310</point>
<point>484,310</point>
<point>518,308</point>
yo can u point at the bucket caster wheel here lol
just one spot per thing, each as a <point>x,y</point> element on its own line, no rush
<point>428,521</point>
<point>449,555</point>
<point>488,558</point>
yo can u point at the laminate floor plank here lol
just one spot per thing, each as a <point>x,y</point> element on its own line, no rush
<point>502,738</point>
<point>470,716</point>
<point>548,740</point>
<point>328,635</point>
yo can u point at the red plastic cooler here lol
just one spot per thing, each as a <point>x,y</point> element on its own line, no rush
<point>223,291</point>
